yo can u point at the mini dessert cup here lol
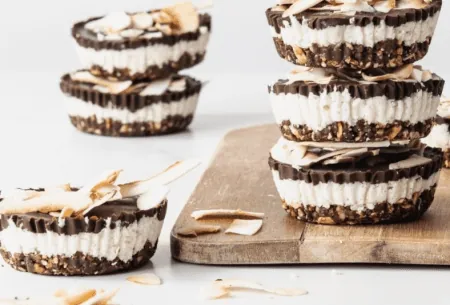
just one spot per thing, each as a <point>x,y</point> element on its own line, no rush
<point>145,45</point>
<point>440,134</point>
<point>351,184</point>
<point>101,228</point>
<point>316,104</point>
<point>354,35</point>
<point>125,108</point>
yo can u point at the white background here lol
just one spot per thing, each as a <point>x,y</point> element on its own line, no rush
<point>39,147</point>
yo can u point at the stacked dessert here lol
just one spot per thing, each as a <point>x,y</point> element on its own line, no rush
<point>129,84</point>
<point>352,117</point>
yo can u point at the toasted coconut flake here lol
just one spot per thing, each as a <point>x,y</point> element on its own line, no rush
<point>66,212</point>
<point>102,298</point>
<point>208,4</point>
<point>80,298</point>
<point>114,87</point>
<point>157,87</point>
<point>316,75</point>
<point>416,4</point>
<point>412,161</point>
<point>248,285</point>
<point>102,195</point>
<point>178,85</point>
<point>60,293</point>
<point>215,292</point>
<point>384,6</point>
<point>131,33</point>
<point>59,188</point>
<point>151,35</point>
<point>142,21</point>
<point>149,279</point>
<point>164,28</point>
<point>184,17</point>
<point>47,202</point>
<point>426,75</point>
<point>111,23</point>
<point>196,230</point>
<point>244,227</point>
<point>300,6</point>
<point>402,73</point>
<point>105,178</point>
<point>279,8</point>
<point>152,198</point>
<point>223,213</point>
<point>170,174</point>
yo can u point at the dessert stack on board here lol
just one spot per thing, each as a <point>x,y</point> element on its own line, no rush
<point>128,85</point>
<point>353,111</point>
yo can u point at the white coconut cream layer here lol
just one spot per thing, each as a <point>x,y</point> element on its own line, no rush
<point>318,111</point>
<point>120,242</point>
<point>300,34</point>
<point>139,59</point>
<point>156,112</point>
<point>439,137</point>
<point>357,196</point>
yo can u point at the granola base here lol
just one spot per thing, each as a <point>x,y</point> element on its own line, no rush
<point>385,54</point>
<point>78,264</point>
<point>361,132</point>
<point>153,72</point>
<point>404,210</point>
<point>112,128</point>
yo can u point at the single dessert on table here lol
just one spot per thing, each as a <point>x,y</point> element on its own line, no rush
<point>355,183</point>
<point>440,134</point>
<point>130,108</point>
<point>143,45</point>
<point>100,228</point>
<point>341,105</point>
<point>355,34</point>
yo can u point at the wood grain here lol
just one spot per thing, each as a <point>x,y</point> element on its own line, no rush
<point>239,177</point>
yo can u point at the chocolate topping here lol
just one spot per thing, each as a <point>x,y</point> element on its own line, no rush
<point>121,212</point>
<point>88,39</point>
<point>360,171</point>
<point>391,89</point>
<point>130,100</point>
<point>324,19</point>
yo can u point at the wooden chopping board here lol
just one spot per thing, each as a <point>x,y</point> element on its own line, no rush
<point>239,177</point>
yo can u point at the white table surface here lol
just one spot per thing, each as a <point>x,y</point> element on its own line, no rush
<point>40,147</point>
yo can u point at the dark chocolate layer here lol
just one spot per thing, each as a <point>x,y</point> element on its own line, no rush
<point>361,132</point>
<point>122,212</point>
<point>363,172</point>
<point>152,72</point>
<point>112,128</point>
<point>78,264</point>
<point>131,101</point>
<point>324,19</point>
<point>404,210</point>
<point>88,39</point>
<point>396,90</point>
